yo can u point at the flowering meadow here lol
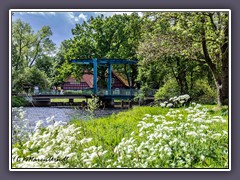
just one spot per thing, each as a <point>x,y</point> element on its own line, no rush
<point>144,137</point>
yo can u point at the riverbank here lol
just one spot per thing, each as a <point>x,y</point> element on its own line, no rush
<point>143,137</point>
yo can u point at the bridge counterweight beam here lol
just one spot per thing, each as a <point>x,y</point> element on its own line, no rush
<point>109,79</point>
<point>95,76</point>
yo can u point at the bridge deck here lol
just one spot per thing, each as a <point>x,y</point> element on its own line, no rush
<point>102,94</point>
<point>71,96</point>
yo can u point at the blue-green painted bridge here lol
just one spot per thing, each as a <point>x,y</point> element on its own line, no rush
<point>107,95</point>
<point>102,62</point>
<point>43,97</point>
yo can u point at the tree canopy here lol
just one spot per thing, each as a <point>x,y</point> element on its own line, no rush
<point>105,37</point>
<point>198,38</point>
<point>178,52</point>
<point>30,50</point>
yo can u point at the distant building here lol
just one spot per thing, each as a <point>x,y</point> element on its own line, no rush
<point>87,82</point>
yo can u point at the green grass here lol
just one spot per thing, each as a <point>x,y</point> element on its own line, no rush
<point>217,110</point>
<point>152,137</point>
<point>112,129</point>
<point>109,131</point>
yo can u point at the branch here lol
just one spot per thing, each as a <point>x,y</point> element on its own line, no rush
<point>207,57</point>
<point>125,69</point>
<point>206,54</point>
<point>36,52</point>
<point>212,22</point>
<point>177,79</point>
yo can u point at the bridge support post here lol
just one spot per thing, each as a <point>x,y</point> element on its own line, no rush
<point>108,103</point>
<point>41,102</point>
<point>70,101</point>
<point>95,76</point>
<point>109,79</point>
<point>130,103</point>
<point>122,104</point>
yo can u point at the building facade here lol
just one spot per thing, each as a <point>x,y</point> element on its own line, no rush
<point>87,82</point>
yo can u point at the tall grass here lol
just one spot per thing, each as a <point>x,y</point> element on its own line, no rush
<point>112,129</point>
<point>144,137</point>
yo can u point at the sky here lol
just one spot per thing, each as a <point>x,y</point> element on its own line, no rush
<point>60,23</point>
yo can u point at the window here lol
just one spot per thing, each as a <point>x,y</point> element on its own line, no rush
<point>106,79</point>
<point>117,91</point>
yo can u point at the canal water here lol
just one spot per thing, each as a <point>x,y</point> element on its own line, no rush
<point>63,114</point>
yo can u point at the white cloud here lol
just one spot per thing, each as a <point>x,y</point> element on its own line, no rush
<point>140,14</point>
<point>70,15</point>
<point>82,16</point>
<point>37,13</point>
<point>52,13</point>
<point>73,18</point>
<point>112,13</point>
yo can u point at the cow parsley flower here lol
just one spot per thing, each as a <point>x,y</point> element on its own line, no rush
<point>169,105</point>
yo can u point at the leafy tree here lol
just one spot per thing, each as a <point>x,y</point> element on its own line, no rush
<point>28,46</point>
<point>31,49</point>
<point>125,43</point>
<point>31,77</point>
<point>43,46</point>
<point>151,74</point>
<point>22,38</point>
<point>197,36</point>
<point>62,53</point>
<point>65,70</point>
<point>106,37</point>
<point>168,90</point>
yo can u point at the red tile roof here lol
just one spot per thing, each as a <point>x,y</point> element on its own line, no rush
<point>124,81</point>
<point>88,78</point>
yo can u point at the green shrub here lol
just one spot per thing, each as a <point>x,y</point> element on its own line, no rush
<point>70,92</point>
<point>203,93</point>
<point>31,76</point>
<point>18,101</point>
<point>169,89</point>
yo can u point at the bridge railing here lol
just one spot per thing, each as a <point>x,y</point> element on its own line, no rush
<point>101,92</point>
<point>122,92</point>
<point>64,92</point>
<point>151,92</point>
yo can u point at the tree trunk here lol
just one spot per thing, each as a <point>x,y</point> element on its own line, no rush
<point>180,76</point>
<point>220,78</point>
<point>225,85</point>
<point>224,91</point>
<point>128,78</point>
<point>221,82</point>
<point>134,75</point>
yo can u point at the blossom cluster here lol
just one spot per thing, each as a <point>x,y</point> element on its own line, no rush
<point>20,126</point>
<point>181,138</point>
<point>170,141</point>
<point>176,101</point>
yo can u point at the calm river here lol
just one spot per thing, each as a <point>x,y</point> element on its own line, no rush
<point>64,114</point>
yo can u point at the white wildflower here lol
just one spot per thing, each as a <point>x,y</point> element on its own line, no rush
<point>203,127</point>
<point>191,133</point>
<point>147,115</point>
<point>216,135</point>
<point>225,132</point>
<point>202,157</point>
<point>85,140</point>
<point>162,104</point>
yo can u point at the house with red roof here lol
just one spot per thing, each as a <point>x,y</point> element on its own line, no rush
<point>87,82</point>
